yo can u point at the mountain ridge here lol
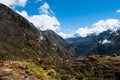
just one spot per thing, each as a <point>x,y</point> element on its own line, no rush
<point>18,36</point>
<point>27,53</point>
<point>105,43</point>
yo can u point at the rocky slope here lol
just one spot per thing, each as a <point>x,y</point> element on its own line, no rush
<point>20,39</point>
<point>29,54</point>
<point>55,39</point>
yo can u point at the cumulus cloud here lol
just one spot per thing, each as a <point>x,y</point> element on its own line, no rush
<point>100,26</point>
<point>106,41</point>
<point>118,11</point>
<point>13,3</point>
<point>38,1</point>
<point>44,21</point>
<point>45,9</point>
<point>24,14</point>
<point>84,31</point>
<point>64,35</point>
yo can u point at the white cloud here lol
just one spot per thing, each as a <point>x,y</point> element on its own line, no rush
<point>100,26</point>
<point>13,3</point>
<point>44,9</point>
<point>44,21</point>
<point>84,31</point>
<point>38,1</point>
<point>24,14</point>
<point>106,41</point>
<point>103,25</point>
<point>64,35</point>
<point>118,11</point>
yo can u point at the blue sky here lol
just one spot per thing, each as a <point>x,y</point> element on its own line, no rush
<point>72,14</point>
<point>79,13</point>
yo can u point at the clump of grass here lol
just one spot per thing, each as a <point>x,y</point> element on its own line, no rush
<point>44,74</point>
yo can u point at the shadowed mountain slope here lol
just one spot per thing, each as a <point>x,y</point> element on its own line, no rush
<point>106,43</point>
<point>20,39</point>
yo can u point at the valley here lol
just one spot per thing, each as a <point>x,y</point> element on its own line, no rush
<point>27,53</point>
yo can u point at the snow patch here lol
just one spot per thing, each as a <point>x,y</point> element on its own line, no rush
<point>106,41</point>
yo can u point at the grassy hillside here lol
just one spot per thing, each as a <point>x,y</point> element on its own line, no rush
<point>84,68</point>
<point>20,39</point>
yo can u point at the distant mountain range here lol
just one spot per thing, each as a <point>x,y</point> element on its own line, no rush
<point>106,43</point>
<point>21,39</point>
<point>27,53</point>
